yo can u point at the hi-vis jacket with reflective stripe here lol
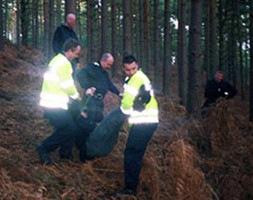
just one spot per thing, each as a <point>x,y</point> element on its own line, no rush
<point>58,84</point>
<point>131,89</point>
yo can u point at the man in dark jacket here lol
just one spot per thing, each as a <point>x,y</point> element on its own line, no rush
<point>95,75</point>
<point>64,32</point>
<point>217,88</point>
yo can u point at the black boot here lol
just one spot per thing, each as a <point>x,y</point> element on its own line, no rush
<point>44,157</point>
<point>125,191</point>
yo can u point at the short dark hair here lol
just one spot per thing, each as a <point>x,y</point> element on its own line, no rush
<point>129,59</point>
<point>70,44</point>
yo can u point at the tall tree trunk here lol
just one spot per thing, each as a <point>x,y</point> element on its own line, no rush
<point>141,44</point>
<point>113,35</point>
<point>213,38</point>
<point>146,37</point>
<point>239,28</point>
<point>79,22</point>
<point>58,12</point>
<point>90,31</point>
<point>51,27</point>
<point>181,53</point>
<point>166,56</point>
<point>35,24</point>
<point>104,26</point>
<point>46,25</point>
<point>5,21</point>
<point>18,24</point>
<point>251,63</point>
<point>1,27</point>
<point>24,21</point>
<point>194,89</point>
<point>127,35</point>
<point>155,48</point>
<point>70,6</point>
<point>233,47</point>
<point>221,35</point>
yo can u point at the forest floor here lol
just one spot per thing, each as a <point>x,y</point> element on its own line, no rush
<point>186,159</point>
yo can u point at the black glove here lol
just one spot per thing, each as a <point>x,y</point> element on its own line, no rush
<point>141,99</point>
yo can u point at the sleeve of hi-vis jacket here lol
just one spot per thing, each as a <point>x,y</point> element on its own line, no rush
<point>131,90</point>
<point>66,80</point>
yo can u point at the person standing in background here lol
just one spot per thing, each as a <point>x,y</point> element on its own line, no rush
<point>64,32</point>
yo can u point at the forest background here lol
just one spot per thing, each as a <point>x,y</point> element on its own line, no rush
<point>199,37</point>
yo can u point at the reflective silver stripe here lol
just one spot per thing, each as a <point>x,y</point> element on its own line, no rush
<point>143,120</point>
<point>131,90</point>
<point>75,96</point>
<point>148,87</point>
<point>67,84</point>
<point>146,116</point>
<point>52,77</point>
<point>51,104</point>
<point>54,97</point>
<point>126,111</point>
<point>53,101</point>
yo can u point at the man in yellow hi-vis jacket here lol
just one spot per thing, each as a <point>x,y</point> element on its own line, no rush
<point>139,103</point>
<point>57,89</point>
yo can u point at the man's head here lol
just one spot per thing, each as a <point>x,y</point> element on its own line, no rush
<point>218,77</point>
<point>106,61</point>
<point>71,20</point>
<point>130,65</point>
<point>72,48</point>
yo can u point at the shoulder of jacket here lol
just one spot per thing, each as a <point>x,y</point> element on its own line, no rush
<point>96,64</point>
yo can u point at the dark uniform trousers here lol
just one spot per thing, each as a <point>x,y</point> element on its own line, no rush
<point>139,136</point>
<point>63,135</point>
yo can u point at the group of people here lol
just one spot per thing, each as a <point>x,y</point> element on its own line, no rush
<point>138,102</point>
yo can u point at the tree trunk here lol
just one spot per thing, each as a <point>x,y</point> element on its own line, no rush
<point>194,89</point>
<point>35,23</point>
<point>113,35</point>
<point>127,39</point>
<point>141,25</point>
<point>24,21</point>
<point>251,63</point>
<point>213,38</point>
<point>5,22</point>
<point>233,46</point>
<point>46,25</point>
<point>1,26</point>
<point>58,12</point>
<point>90,31</point>
<point>155,48</point>
<point>104,27</point>
<point>51,27</point>
<point>79,22</point>
<point>70,6</point>
<point>221,34</point>
<point>146,61</point>
<point>239,27</point>
<point>18,24</point>
<point>181,53</point>
<point>166,55</point>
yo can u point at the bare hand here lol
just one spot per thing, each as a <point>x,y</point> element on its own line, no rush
<point>90,91</point>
